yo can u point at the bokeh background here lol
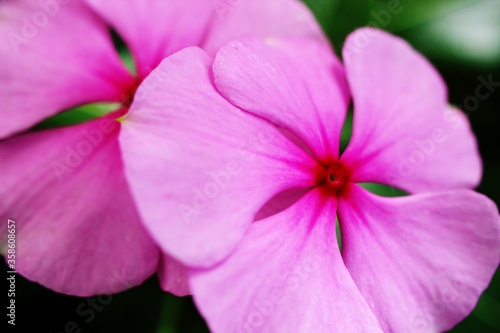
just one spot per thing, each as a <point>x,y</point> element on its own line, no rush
<point>460,37</point>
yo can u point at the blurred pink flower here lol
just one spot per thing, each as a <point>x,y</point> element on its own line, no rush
<point>263,119</point>
<point>78,228</point>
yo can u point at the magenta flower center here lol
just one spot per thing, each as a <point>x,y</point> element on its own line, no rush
<point>128,94</point>
<point>332,177</point>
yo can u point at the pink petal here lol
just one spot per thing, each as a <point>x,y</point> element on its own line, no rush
<point>78,231</point>
<point>280,202</point>
<point>277,18</point>
<point>155,29</point>
<point>200,168</point>
<point>173,276</point>
<point>55,56</point>
<point>286,275</point>
<point>297,84</point>
<point>404,133</point>
<point>421,261</point>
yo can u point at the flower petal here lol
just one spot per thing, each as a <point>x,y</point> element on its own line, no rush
<point>200,168</point>
<point>78,231</point>
<point>404,133</point>
<point>277,18</point>
<point>420,261</point>
<point>41,75</point>
<point>155,29</point>
<point>280,202</point>
<point>173,276</point>
<point>299,85</point>
<point>286,275</point>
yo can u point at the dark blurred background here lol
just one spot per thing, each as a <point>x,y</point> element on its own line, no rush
<point>461,38</point>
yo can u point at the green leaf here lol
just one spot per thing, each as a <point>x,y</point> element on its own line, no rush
<point>383,190</point>
<point>78,115</point>
<point>465,33</point>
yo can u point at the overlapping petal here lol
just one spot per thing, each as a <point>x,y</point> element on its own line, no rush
<point>44,71</point>
<point>287,275</point>
<point>78,231</point>
<point>421,261</point>
<point>173,276</point>
<point>297,84</point>
<point>278,18</point>
<point>155,29</point>
<point>404,133</point>
<point>200,168</point>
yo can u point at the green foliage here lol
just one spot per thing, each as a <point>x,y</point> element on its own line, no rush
<point>78,115</point>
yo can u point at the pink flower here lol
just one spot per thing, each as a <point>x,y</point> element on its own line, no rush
<point>262,122</point>
<point>79,231</point>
